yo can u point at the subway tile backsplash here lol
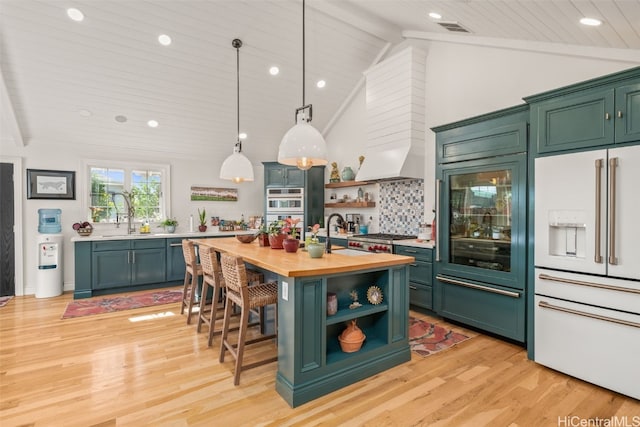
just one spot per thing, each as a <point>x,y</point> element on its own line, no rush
<point>401,206</point>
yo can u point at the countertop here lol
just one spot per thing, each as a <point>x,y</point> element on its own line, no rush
<point>97,236</point>
<point>300,264</point>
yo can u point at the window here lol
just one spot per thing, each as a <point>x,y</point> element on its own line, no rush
<point>113,185</point>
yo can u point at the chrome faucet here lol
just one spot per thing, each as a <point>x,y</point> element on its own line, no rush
<point>130,211</point>
<point>328,225</point>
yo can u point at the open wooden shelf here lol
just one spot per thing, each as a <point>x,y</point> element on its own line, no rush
<point>351,205</point>
<point>346,184</point>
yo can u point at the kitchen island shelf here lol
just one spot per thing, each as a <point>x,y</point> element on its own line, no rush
<point>370,344</point>
<point>346,314</point>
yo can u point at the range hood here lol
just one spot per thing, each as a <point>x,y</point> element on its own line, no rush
<point>395,103</point>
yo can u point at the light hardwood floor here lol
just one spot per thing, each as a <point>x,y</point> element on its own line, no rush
<point>105,370</point>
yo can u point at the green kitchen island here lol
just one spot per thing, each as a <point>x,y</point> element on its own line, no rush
<point>311,362</point>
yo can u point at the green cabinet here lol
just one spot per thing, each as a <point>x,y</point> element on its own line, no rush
<point>175,260</point>
<point>585,115</point>
<point>420,275</point>
<point>311,362</point>
<point>278,175</point>
<point>126,263</point>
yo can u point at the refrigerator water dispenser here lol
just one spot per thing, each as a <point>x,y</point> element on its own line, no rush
<point>567,233</point>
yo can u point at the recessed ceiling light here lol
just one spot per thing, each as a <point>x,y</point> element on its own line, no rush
<point>153,123</point>
<point>75,14</point>
<point>592,22</point>
<point>435,15</point>
<point>274,71</point>
<point>242,135</point>
<point>85,113</point>
<point>121,119</point>
<point>321,84</point>
<point>164,40</point>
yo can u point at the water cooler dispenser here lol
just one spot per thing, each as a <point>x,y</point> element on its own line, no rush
<point>49,256</point>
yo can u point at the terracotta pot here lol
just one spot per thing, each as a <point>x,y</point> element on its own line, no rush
<point>275,240</point>
<point>291,245</point>
<point>263,239</point>
<point>202,227</point>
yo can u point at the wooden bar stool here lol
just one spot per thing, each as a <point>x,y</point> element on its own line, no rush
<point>192,273</point>
<point>247,298</point>
<point>213,280</point>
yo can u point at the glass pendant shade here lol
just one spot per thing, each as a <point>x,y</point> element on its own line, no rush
<point>303,146</point>
<point>237,167</point>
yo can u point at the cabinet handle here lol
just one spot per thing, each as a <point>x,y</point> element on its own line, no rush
<point>411,251</point>
<point>438,185</point>
<point>134,257</point>
<point>613,163</point>
<point>413,265</point>
<point>544,304</point>
<point>619,114</point>
<point>413,287</point>
<point>607,116</point>
<point>597,257</point>
<point>128,257</point>
<point>478,287</point>
<point>175,244</point>
<point>589,284</point>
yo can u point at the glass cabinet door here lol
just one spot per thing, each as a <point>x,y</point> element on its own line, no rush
<point>479,211</point>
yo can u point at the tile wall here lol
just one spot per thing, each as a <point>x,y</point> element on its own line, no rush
<point>401,206</point>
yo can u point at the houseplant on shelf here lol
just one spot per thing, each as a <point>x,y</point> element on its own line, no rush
<point>169,224</point>
<point>203,219</point>
<point>291,242</point>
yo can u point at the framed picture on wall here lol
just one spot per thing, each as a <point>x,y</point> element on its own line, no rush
<point>50,184</point>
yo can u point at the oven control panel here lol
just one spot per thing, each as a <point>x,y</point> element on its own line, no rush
<point>371,247</point>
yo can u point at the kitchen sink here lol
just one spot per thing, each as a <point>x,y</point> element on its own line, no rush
<point>350,252</point>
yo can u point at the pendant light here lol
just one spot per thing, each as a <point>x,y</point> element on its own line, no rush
<point>237,167</point>
<point>303,146</point>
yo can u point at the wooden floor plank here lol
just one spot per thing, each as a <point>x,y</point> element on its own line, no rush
<point>107,370</point>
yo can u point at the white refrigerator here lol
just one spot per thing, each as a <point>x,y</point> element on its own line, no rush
<point>587,266</point>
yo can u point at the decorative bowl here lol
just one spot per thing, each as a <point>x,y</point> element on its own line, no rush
<point>246,238</point>
<point>85,231</point>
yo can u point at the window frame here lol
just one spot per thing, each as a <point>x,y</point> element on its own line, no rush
<point>128,167</point>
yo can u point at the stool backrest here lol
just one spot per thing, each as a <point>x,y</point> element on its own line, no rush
<point>189,252</point>
<point>210,264</point>
<point>234,273</point>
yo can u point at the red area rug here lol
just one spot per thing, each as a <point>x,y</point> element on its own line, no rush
<point>427,338</point>
<point>89,306</point>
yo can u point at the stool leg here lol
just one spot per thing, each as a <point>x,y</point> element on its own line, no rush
<point>203,305</point>
<point>244,319</point>
<point>225,330</point>
<point>185,289</point>
<point>212,314</point>
<point>194,286</point>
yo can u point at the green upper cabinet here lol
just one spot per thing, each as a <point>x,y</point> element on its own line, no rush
<point>278,175</point>
<point>595,113</point>
<point>628,113</point>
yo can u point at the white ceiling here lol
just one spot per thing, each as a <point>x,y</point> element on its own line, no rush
<point>111,63</point>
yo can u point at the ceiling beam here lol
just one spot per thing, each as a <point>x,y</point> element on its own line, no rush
<point>631,56</point>
<point>8,118</point>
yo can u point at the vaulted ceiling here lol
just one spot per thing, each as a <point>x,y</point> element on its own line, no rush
<point>98,82</point>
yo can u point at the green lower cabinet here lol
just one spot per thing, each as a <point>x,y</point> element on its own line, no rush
<point>420,275</point>
<point>148,266</point>
<point>175,260</point>
<point>141,263</point>
<point>491,308</point>
<point>311,362</point>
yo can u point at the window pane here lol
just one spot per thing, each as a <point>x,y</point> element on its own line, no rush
<point>105,181</point>
<point>146,186</point>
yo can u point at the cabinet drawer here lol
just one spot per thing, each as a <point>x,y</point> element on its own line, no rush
<point>112,245</point>
<point>487,307</point>
<point>421,272</point>
<point>421,295</point>
<point>423,254</point>
<point>148,243</point>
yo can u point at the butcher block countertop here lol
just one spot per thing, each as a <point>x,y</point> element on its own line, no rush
<point>300,264</point>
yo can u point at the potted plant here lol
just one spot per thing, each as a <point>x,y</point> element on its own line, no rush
<point>314,247</point>
<point>263,235</point>
<point>169,224</point>
<point>203,219</point>
<point>291,242</point>
<point>276,236</point>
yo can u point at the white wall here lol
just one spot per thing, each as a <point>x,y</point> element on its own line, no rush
<point>463,81</point>
<point>184,173</point>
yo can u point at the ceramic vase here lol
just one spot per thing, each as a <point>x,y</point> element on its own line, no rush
<point>202,228</point>
<point>263,239</point>
<point>291,245</point>
<point>316,250</point>
<point>171,228</point>
<point>275,240</point>
<point>347,174</point>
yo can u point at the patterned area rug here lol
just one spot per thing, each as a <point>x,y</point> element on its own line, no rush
<point>89,306</point>
<point>427,338</point>
<point>5,300</point>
